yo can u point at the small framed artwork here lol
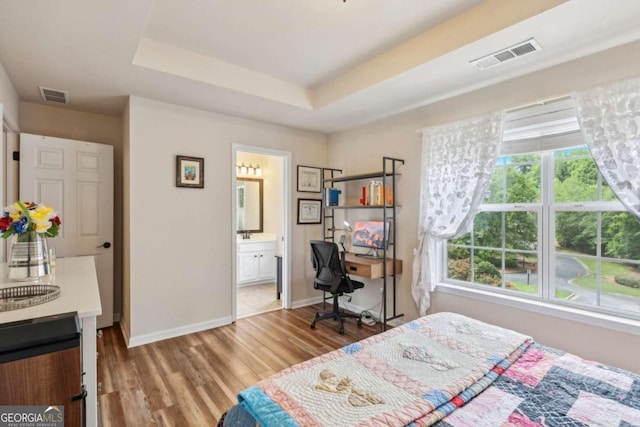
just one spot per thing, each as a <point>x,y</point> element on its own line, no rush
<point>309,179</point>
<point>309,211</point>
<point>189,172</point>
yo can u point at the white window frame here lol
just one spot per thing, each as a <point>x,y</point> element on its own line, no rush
<point>545,141</point>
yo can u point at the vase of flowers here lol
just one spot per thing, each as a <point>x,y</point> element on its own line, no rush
<point>29,225</point>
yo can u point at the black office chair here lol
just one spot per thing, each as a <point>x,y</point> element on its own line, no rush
<point>331,276</point>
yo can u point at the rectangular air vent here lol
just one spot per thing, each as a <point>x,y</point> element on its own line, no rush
<point>54,95</point>
<point>507,54</point>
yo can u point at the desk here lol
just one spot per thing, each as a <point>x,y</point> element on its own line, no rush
<point>370,268</point>
<point>78,292</point>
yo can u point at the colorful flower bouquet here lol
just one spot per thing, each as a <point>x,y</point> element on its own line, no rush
<point>24,217</point>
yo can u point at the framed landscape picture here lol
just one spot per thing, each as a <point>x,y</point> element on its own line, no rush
<point>309,179</point>
<point>189,172</point>
<point>309,211</point>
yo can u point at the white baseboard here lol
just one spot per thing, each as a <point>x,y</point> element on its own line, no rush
<point>176,332</point>
<point>258,282</point>
<point>305,302</point>
<point>374,313</point>
<point>355,308</point>
<point>343,304</point>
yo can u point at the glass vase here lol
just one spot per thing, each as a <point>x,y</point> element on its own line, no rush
<point>29,257</point>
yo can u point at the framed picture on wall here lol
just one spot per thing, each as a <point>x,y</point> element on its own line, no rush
<point>189,172</point>
<point>309,179</point>
<point>309,211</point>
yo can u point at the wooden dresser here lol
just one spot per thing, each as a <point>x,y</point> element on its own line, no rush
<point>79,293</point>
<point>40,365</point>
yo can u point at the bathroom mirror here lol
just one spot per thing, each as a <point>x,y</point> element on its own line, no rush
<point>249,204</point>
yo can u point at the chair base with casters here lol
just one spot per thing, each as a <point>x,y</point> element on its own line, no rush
<point>335,314</point>
<point>331,276</point>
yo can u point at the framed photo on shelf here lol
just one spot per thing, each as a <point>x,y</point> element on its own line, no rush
<point>189,172</point>
<point>309,211</point>
<point>309,179</point>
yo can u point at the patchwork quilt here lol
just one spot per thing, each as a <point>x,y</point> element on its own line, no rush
<point>417,373</point>
<point>547,387</point>
<point>444,370</point>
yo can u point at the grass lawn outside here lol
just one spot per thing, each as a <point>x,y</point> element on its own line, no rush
<point>533,289</point>
<point>523,287</point>
<point>608,271</point>
<point>562,294</point>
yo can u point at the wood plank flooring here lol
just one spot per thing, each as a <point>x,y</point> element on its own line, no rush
<point>192,380</point>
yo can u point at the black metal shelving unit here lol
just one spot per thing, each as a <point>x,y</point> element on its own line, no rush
<point>328,219</point>
<point>388,175</point>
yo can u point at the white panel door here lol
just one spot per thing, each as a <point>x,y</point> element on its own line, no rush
<point>76,179</point>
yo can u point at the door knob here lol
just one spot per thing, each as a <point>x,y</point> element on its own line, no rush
<point>105,245</point>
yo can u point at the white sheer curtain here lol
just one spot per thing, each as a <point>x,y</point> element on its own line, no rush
<point>458,160</point>
<point>609,117</point>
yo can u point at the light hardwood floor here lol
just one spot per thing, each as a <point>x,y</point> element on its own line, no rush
<point>192,380</point>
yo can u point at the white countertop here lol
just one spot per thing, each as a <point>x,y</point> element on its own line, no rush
<point>257,238</point>
<point>79,291</point>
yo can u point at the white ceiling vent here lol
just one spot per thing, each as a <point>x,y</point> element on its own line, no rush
<point>54,95</point>
<point>504,55</point>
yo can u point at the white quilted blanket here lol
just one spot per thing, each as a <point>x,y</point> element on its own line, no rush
<point>418,372</point>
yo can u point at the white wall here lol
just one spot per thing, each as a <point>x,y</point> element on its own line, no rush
<point>125,317</point>
<point>179,239</point>
<point>360,149</point>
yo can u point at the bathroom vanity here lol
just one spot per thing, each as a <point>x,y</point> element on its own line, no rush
<point>256,261</point>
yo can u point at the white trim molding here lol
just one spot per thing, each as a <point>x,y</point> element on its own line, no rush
<point>306,302</point>
<point>173,332</point>
<point>603,320</point>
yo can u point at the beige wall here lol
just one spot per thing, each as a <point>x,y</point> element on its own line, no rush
<point>274,197</point>
<point>588,341</point>
<point>9,116</point>
<point>360,150</point>
<point>10,101</point>
<point>180,239</point>
<point>70,124</point>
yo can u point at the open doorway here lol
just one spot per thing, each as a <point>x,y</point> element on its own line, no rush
<point>261,219</point>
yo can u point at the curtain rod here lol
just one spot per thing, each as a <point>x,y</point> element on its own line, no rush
<point>536,103</point>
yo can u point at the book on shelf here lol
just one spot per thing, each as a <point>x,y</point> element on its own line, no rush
<point>376,194</point>
<point>332,196</point>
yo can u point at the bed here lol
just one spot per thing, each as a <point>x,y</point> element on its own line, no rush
<point>447,370</point>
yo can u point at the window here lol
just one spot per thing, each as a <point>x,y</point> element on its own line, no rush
<point>550,228</point>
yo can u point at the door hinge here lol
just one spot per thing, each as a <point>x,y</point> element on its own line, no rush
<point>16,156</point>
